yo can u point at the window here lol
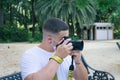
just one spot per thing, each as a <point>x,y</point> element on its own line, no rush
<point>104,27</point>
<point>98,27</point>
<point>101,28</point>
<point>109,27</point>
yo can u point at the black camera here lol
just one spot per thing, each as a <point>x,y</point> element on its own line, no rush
<point>77,45</point>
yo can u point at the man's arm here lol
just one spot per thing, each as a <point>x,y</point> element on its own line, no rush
<point>80,72</point>
<point>47,73</point>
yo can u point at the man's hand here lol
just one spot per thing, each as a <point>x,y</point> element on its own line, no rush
<point>77,55</point>
<point>64,49</point>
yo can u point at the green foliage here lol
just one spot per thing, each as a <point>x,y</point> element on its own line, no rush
<point>16,16</point>
<point>37,37</point>
<point>13,34</point>
<point>82,3</point>
<point>75,38</point>
<point>105,9</point>
<point>117,35</point>
<point>71,11</point>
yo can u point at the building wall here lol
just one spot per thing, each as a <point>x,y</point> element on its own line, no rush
<point>104,33</point>
<point>99,31</point>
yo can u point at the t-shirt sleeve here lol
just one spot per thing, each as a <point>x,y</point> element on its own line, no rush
<point>28,65</point>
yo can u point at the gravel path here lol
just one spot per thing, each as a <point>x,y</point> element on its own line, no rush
<point>102,55</point>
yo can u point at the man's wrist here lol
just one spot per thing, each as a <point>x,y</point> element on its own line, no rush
<point>57,59</point>
<point>78,63</point>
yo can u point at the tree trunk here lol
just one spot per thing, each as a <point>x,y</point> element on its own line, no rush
<point>11,23</point>
<point>25,21</point>
<point>33,18</point>
<point>78,30</point>
<point>71,27</point>
<point>1,16</point>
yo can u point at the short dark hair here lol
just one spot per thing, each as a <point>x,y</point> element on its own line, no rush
<point>55,25</point>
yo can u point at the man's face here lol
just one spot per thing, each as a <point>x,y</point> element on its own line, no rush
<point>59,37</point>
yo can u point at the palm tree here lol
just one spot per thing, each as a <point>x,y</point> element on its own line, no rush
<point>71,11</point>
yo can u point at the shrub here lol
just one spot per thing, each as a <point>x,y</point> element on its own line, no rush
<point>37,37</point>
<point>117,35</point>
<point>13,34</point>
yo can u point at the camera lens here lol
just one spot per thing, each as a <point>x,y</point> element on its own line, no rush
<point>78,45</point>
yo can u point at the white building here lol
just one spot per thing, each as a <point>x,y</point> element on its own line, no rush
<point>101,31</point>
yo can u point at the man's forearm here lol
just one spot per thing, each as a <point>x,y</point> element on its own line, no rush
<point>47,73</point>
<point>80,72</point>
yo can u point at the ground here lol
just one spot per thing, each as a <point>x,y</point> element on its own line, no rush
<point>101,55</point>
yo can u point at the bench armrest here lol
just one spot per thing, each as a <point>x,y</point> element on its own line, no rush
<point>94,74</point>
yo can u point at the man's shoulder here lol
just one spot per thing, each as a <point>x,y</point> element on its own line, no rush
<point>32,51</point>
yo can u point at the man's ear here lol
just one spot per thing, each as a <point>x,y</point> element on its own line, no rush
<point>49,37</point>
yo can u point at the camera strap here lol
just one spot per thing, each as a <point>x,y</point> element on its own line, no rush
<point>70,73</point>
<point>55,77</point>
<point>71,69</point>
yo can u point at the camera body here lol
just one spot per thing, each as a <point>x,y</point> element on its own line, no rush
<point>77,45</point>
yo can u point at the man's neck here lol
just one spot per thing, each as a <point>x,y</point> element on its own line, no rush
<point>46,47</point>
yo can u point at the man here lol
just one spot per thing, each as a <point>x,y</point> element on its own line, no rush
<point>46,61</point>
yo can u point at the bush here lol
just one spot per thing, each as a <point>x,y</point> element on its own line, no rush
<point>13,34</point>
<point>117,35</point>
<point>37,37</point>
